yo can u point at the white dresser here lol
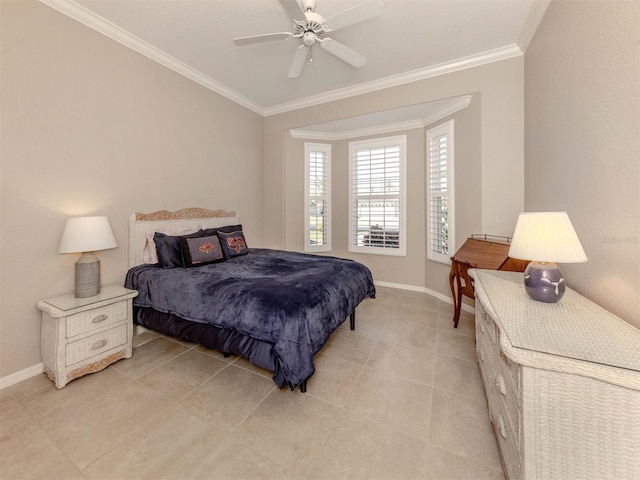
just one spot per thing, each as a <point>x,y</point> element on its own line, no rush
<point>85,335</point>
<point>562,382</point>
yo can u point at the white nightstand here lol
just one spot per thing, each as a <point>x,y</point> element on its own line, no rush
<point>85,335</point>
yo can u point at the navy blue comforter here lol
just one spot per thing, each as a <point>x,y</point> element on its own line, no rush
<point>292,300</point>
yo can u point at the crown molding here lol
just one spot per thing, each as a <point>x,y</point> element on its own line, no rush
<point>483,58</point>
<point>360,132</point>
<point>531,24</point>
<point>456,105</point>
<point>99,24</point>
<point>460,103</point>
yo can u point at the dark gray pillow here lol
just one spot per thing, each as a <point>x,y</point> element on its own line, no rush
<point>197,251</point>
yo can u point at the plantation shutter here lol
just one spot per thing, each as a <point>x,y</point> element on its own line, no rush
<point>439,185</point>
<point>317,237</point>
<point>377,183</point>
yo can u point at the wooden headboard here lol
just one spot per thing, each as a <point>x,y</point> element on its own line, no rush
<point>141,224</point>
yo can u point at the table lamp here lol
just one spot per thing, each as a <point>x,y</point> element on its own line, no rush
<point>546,238</point>
<point>87,235</point>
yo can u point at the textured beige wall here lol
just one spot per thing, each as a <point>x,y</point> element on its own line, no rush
<point>91,127</point>
<point>582,151</point>
<point>489,159</point>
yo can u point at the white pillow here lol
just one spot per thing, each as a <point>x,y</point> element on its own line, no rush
<point>149,254</point>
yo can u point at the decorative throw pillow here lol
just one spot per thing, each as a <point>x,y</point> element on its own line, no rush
<point>225,229</point>
<point>149,253</point>
<point>198,251</point>
<point>169,249</point>
<point>233,244</point>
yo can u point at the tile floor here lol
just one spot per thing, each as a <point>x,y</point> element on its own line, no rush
<point>398,398</point>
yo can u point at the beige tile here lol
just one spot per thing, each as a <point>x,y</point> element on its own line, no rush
<point>396,402</point>
<point>228,397</point>
<point>169,447</point>
<point>149,356</point>
<point>401,325</point>
<point>26,387</point>
<point>456,345</point>
<point>217,354</point>
<point>466,324</point>
<point>233,460</point>
<point>360,448</point>
<point>16,423</point>
<point>461,425</point>
<point>245,364</point>
<point>98,426</point>
<point>179,376</point>
<point>288,428</point>
<point>50,406</point>
<point>348,345</point>
<point>458,376</point>
<point>334,379</point>
<point>143,337</point>
<point>444,465</point>
<point>404,361</point>
<point>35,458</point>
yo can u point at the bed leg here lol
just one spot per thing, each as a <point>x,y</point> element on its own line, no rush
<point>303,387</point>
<point>352,320</point>
<point>226,354</point>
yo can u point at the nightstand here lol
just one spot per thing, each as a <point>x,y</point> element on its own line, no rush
<point>85,335</point>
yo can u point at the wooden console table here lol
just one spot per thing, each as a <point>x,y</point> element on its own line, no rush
<point>488,252</point>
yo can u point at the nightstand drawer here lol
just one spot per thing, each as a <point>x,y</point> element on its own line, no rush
<point>95,344</point>
<point>97,318</point>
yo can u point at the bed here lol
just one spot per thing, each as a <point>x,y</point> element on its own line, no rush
<point>198,280</point>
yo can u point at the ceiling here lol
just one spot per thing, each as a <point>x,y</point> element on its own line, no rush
<point>411,40</point>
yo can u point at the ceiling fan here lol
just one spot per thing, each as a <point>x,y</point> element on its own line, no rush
<point>312,30</point>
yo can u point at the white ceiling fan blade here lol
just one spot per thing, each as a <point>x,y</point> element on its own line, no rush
<point>357,14</point>
<point>299,59</point>
<point>343,52</point>
<point>267,37</point>
<point>292,7</point>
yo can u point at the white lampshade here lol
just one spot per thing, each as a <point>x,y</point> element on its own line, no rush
<point>87,234</point>
<point>546,237</point>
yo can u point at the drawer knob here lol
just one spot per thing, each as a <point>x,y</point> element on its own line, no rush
<point>99,318</point>
<point>99,344</point>
<point>501,385</point>
<point>504,358</point>
<point>502,429</point>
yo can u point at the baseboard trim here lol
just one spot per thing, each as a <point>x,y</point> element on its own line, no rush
<point>18,377</point>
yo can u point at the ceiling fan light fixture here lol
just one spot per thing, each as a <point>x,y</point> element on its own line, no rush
<point>309,38</point>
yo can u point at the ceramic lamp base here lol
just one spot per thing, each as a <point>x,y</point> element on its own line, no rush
<point>87,275</point>
<point>544,282</point>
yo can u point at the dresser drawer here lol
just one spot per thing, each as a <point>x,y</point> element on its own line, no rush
<point>95,319</point>
<point>95,344</point>
<point>511,455</point>
<point>505,404</point>
<point>510,371</point>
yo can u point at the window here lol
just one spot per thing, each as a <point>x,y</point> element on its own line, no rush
<point>440,193</point>
<point>377,196</point>
<point>317,236</point>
